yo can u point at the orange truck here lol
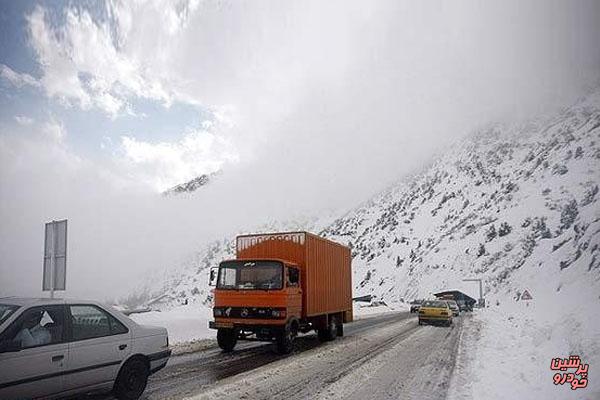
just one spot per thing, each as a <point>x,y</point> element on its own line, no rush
<point>281,284</point>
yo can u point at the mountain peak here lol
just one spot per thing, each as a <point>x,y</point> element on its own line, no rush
<point>191,185</point>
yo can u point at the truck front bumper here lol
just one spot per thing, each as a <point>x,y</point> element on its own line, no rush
<point>220,324</point>
<point>242,323</point>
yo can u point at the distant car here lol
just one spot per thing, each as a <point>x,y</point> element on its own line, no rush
<point>454,307</point>
<point>435,312</point>
<point>415,305</point>
<point>52,348</point>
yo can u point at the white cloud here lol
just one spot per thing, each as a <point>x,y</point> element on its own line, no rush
<point>23,120</point>
<point>165,164</point>
<point>54,130</point>
<point>17,79</point>
<point>85,63</point>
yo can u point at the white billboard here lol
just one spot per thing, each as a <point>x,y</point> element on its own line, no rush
<point>55,256</point>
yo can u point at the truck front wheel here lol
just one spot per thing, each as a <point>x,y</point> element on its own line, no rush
<point>227,339</point>
<point>285,339</point>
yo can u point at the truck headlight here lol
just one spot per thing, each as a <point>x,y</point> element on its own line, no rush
<point>217,312</point>
<point>278,313</point>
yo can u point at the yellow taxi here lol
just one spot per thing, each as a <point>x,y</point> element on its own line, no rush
<point>435,312</point>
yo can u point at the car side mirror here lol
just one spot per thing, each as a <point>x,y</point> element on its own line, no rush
<point>9,346</point>
<point>212,280</point>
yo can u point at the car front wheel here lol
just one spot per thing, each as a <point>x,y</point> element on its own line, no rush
<point>132,379</point>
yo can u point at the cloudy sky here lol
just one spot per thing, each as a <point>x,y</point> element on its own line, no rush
<point>305,107</point>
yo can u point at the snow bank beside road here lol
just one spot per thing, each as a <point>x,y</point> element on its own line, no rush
<point>365,310</point>
<point>184,323</point>
<point>505,352</point>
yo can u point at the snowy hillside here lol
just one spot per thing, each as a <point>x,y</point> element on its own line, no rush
<point>514,205</point>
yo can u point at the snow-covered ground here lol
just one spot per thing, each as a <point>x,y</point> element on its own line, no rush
<point>395,360</point>
<point>365,310</point>
<point>505,351</point>
<point>184,323</point>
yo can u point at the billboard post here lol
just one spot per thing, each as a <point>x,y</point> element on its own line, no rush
<point>481,299</point>
<point>55,257</point>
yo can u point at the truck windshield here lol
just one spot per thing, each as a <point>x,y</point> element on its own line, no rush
<point>250,275</point>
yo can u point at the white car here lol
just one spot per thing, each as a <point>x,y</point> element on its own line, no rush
<point>454,307</point>
<point>51,348</point>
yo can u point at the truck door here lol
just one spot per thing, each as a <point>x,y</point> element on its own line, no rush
<point>294,292</point>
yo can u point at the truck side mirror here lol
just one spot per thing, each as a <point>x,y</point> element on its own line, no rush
<point>212,281</point>
<point>293,276</point>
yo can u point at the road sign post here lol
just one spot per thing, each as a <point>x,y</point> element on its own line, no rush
<point>527,297</point>
<point>55,257</point>
<point>481,302</point>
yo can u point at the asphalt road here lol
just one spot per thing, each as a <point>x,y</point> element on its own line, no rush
<point>384,356</point>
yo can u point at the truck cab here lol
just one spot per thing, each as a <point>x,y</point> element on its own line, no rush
<point>256,297</point>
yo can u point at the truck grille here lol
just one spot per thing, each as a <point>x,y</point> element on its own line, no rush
<point>249,312</point>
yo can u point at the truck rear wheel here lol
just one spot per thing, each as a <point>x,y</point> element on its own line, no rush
<point>340,329</point>
<point>329,333</point>
<point>227,339</point>
<point>322,334</point>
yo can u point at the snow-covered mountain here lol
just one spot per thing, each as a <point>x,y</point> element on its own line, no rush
<point>516,206</point>
<point>509,199</point>
<point>191,185</point>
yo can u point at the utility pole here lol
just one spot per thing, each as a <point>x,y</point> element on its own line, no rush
<point>481,299</point>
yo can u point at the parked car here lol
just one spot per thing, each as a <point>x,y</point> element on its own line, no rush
<point>454,307</point>
<point>435,312</point>
<point>52,348</point>
<point>415,305</point>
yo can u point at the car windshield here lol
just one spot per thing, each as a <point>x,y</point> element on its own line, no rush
<point>434,304</point>
<point>250,275</point>
<point>6,310</point>
<point>452,304</point>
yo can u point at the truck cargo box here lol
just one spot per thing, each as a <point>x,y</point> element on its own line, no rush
<point>325,267</point>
